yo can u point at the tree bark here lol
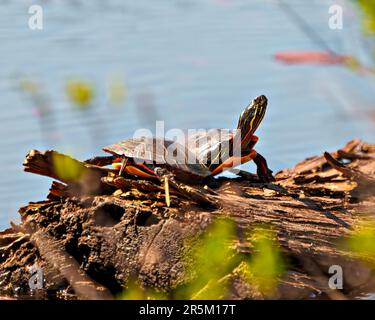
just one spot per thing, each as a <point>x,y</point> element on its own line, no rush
<point>92,236</point>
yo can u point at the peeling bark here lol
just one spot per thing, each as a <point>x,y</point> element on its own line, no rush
<point>90,241</point>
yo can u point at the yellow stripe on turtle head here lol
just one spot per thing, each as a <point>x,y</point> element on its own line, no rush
<point>251,118</point>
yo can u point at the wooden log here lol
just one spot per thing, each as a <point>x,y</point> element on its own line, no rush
<point>116,238</point>
<point>79,177</point>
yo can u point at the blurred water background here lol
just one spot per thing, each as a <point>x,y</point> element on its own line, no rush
<point>191,63</point>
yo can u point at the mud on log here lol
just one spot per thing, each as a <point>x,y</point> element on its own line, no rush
<point>90,241</point>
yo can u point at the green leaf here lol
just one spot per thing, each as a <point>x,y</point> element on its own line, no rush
<point>266,264</point>
<point>66,168</point>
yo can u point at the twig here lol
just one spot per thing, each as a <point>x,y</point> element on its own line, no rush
<point>358,176</point>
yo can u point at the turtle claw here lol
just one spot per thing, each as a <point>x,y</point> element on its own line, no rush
<point>266,177</point>
<point>263,172</point>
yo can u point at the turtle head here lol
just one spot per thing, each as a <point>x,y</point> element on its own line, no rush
<point>250,118</point>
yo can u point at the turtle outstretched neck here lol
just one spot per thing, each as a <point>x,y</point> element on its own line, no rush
<point>238,147</point>
<point>250,119</point>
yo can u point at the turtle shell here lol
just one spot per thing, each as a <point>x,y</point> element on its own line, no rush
<point>212,146</point>
<point>160,152</point>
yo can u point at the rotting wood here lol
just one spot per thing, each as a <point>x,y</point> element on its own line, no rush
<point>122,229</point>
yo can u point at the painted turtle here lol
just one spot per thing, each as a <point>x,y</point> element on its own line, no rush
<point>227,149</point>
<point>140,156</point>
<point>213,151</point>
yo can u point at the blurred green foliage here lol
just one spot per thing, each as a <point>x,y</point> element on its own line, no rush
<point>368,8</point>
<point>212,261</point>
<point>362,241</point>
<point>216,260</point>
<point>35,93</point>
<point>66,168</point>
<point>117,92</point>
<point>266,264</point>
<point>80,93</point>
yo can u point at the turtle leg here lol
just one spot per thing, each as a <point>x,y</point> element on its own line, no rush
<point>263,172</point>
<point>107,160</point>
<point>193,193</point>
<point>101,161</point>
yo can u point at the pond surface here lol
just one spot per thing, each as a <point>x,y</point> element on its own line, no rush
<point>192,64</point>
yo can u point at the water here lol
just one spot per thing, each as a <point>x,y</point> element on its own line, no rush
<point>198,63</point>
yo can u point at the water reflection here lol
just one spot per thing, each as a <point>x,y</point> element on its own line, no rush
<point>193,64</point>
